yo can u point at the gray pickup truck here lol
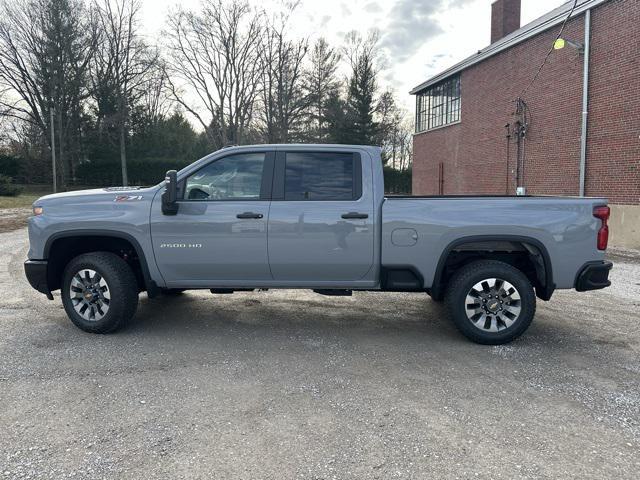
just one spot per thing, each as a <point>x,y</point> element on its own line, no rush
<point>314,217</point>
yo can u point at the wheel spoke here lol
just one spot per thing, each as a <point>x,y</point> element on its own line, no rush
<point>481,321</point>
<point>473,293</point>
<point>512,310</point>
<point>493,326</point>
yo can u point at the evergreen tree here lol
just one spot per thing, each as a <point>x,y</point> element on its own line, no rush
<point>336,119</point>
<point>321,85</point>
<point>170,137</point>
<point>361,96</point>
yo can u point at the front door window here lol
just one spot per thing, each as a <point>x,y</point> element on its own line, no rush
<point>236,177</point>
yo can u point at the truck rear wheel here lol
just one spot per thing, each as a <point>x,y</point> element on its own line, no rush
<point>99,292</point>
<point>491,302</point>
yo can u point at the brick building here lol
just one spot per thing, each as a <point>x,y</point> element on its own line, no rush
<point>491,123</point>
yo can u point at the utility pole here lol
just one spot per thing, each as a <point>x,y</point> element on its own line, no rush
<point>123,157</point>
<point>53,147</point>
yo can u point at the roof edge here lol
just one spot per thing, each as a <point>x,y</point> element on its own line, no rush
<point>537,26</point>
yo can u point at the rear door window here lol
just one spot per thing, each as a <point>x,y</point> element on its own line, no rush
<point>321,176</point>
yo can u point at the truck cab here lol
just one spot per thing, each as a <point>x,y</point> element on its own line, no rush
<point>263,217</point>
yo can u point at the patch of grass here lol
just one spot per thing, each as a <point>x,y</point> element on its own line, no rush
<point>24,200</point>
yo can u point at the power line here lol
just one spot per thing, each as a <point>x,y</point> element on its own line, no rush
<point>564,24</point>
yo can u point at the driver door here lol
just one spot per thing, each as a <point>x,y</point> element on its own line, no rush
<point>219,235</point>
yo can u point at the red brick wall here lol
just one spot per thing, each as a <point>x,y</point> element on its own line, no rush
<point>613,147</point>
<point>474,151</point>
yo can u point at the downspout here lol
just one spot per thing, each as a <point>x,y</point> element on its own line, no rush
<point>585,101</point>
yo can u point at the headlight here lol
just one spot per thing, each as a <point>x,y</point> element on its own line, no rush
<point>38,211</point>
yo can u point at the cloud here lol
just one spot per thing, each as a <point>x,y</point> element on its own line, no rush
<point>373,7</point>
<point>325,20</point>
<point>346,11</point>
<point>436,60</point>
<point>412,23</point>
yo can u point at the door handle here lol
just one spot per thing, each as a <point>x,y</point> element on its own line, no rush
<point>249,215</point>
<point>354,215</point>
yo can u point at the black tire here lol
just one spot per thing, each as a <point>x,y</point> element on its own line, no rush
<point>464,280</point>
<point>121,285</point>
<point>436,298</point>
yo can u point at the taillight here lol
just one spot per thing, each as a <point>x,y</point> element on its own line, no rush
<point>602,212</point>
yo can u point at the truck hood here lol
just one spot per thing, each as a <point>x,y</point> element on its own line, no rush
<point>119,194</point>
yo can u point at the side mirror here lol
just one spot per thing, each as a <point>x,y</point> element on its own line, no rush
<point>170,194</point>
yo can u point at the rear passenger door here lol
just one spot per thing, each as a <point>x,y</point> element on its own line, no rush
<point>321,218</point>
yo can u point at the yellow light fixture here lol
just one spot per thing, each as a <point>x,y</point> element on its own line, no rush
<point>560,43</point>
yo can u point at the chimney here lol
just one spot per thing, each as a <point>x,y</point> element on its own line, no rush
<point>505,18</point>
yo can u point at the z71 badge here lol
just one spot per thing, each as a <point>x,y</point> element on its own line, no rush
<point>127,198</point>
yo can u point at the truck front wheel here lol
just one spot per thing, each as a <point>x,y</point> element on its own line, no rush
<point>99,292</point>
<point>491,302</point>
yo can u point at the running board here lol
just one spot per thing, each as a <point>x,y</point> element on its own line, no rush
<point>333,292</point>
<point>227,291</point>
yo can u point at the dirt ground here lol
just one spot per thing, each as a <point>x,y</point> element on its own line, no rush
<point>294,385</point>
<point>13,218</point>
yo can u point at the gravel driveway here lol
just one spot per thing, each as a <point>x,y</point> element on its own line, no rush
<point>291,384</point>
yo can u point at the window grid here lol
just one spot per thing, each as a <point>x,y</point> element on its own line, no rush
<point>438,105</point>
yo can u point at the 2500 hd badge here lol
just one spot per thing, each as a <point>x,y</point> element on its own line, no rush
<point>180,245</point>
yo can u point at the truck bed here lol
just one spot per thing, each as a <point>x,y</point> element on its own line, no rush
<point>563,228</point>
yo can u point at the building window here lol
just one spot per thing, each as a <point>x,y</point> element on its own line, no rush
<point>438,105</point>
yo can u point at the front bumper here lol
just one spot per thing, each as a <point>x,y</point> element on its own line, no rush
<point>36,272</point>
<point>593,276</point>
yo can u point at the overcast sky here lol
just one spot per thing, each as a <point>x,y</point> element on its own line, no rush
<point>420,37</point>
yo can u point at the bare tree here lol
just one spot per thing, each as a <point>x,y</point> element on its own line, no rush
<point>214,68</point>
<point>400,144</point>
<point>120,67</point>
<point>321,83</point>
<point>45,49</point>
<point>395,129</point>
<point>282,97</point>
<point>155,98</point>
<point>389,118</point>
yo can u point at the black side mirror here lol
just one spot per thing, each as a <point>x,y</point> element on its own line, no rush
<point>170,194</point>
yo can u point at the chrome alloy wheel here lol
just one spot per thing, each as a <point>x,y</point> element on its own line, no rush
<point>493,305</point>
<point>90,295</point>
